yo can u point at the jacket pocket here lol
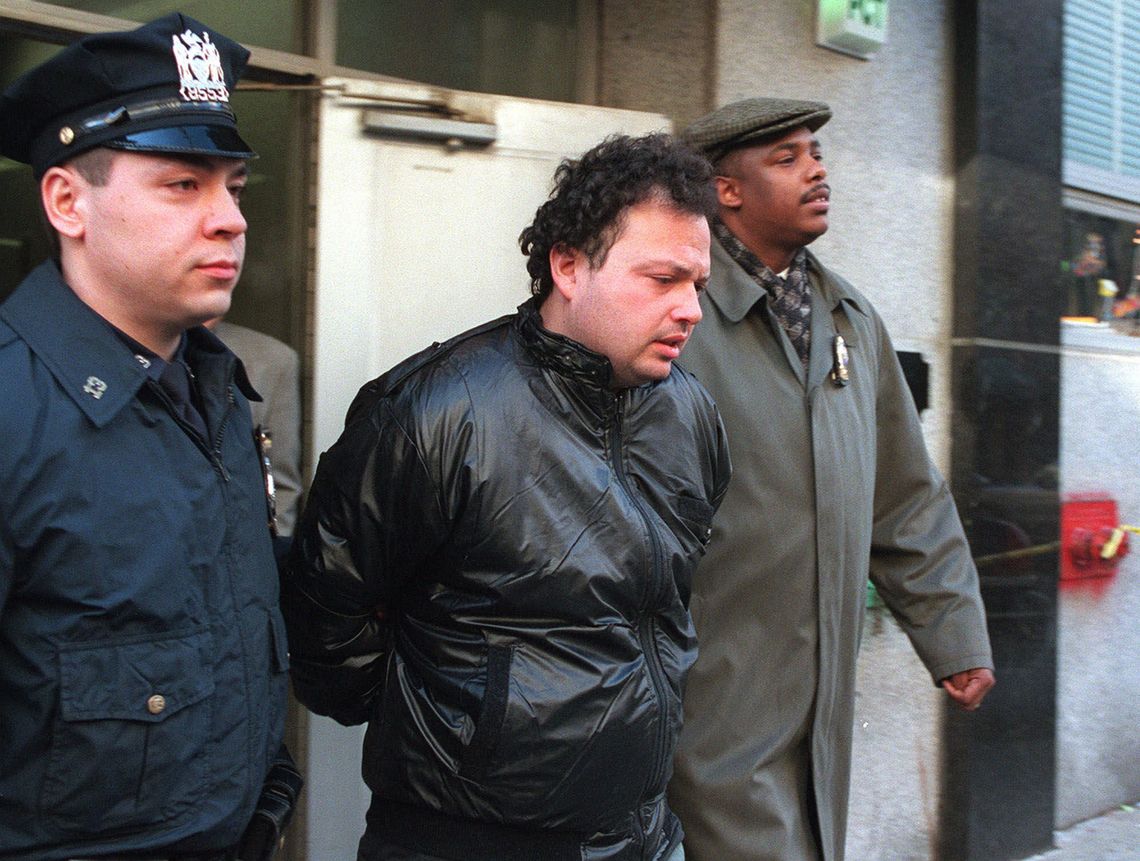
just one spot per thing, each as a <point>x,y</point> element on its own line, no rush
<point>129,742</point>
<point>481,748</point>
<point>278,642</point>
<point>696,514</point>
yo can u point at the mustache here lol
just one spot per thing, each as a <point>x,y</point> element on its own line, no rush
<point>684,330</point>
<point>815,189</point>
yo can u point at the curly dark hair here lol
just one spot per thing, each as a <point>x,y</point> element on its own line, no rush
<point>586,210</point>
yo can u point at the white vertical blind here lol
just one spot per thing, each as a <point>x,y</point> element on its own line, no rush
<point>1101,97</point>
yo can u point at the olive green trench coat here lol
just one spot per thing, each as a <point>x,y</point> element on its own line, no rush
<point>831,484</point>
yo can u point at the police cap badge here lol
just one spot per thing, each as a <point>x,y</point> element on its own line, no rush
<point>163,87</point>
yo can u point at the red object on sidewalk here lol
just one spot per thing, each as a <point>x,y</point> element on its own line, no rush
<point>1088,521</point>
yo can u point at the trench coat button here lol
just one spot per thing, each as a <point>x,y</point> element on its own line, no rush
<point>155,704</point>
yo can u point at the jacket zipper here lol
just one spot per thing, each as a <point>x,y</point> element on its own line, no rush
<point>646,625</point>
<point>217,453</point>
<point>214,455</point>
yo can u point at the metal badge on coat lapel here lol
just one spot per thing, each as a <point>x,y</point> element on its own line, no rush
<point>839,374</point>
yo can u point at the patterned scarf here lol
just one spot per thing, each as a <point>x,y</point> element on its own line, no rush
<point>790,296</point>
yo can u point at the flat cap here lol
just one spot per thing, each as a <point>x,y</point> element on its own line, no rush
<point>163,87</point>
<point>750,121</point>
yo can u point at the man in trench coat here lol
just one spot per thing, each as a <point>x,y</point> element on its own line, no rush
<point>832,485</point>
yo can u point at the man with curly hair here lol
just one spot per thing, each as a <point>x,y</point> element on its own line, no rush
<point>494,565</point>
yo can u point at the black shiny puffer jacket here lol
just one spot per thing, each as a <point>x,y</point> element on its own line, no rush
<point>493,569</point>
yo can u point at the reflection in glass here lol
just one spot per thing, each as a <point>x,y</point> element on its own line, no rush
<point>276,24</point>
<point>511,47</point>
<point>1102,272</point>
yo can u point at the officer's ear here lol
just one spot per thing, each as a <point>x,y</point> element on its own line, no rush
<point>63,195</point>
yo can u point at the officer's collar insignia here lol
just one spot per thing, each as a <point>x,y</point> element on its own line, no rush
<point>95,387</point>
<point>199,68</point>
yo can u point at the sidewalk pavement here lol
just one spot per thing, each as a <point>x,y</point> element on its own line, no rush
<point>1114,836</point>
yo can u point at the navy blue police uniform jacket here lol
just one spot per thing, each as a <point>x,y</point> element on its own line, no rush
<point>143,661</point>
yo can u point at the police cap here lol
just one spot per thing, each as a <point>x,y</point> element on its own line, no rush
<point>163,87</point>
<point>751,121</point>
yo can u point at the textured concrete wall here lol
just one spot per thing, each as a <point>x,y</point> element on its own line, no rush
<point>657,56</point>
<point>895,777</point>
<point>1098,730</point>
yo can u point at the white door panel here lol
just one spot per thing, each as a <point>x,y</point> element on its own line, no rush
<point>417,242</point>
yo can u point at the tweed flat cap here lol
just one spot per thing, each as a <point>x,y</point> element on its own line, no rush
<point>750,121</point>
<point>163,87</point>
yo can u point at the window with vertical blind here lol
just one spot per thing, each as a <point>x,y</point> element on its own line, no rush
<point>1101,97</point>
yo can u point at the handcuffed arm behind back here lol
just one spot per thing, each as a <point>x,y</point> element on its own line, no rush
<point>371,517</point>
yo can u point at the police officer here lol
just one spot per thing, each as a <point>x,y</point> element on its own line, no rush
<point>142,655</point>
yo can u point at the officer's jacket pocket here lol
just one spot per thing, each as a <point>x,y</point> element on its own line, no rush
<point>129,743</point>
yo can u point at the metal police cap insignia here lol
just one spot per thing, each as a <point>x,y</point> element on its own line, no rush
<point>199,68</point>
<point>164,87</point>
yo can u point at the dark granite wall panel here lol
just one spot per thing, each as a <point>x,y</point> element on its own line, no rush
<point>999,763</point>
